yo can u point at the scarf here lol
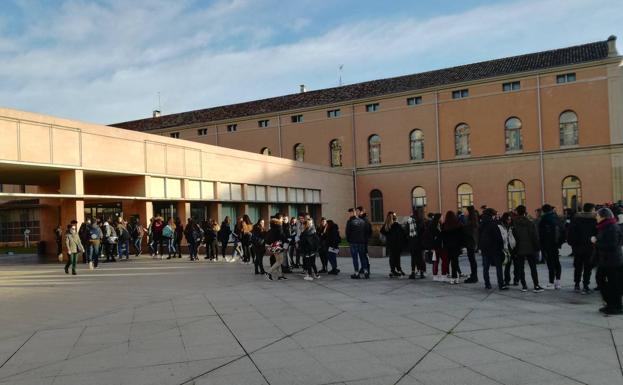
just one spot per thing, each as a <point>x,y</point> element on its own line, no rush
<point>608,221</point>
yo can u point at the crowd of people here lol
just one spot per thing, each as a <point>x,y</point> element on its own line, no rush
<point>505,242</point>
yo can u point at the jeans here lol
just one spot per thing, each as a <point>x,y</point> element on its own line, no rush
<point>323,257</point>
<point>192,250</point>
<point>171,246</point>
<point>310,262</point>
<point>497,262</point>
<point>258,262</point>
<point>223,248</point>
<point>507,271</point>
<point>453,256</point>
<point>582,267</point>
<point>123,249</point>
<point>177,245</point>
<point>138,245</point>
<point>520,273</point>
<point>332,258</point>
<point>93,253</point>
<point>110,250</point>
<point>212,249</point>
<point>553,263</point>
<point>358,253</point>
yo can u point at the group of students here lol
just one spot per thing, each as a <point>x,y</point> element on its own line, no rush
<point>505,242</point>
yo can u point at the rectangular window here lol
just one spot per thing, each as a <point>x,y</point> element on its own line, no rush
<point>565,78</point>
<point>372,107</point>
<point>262,123</point>
<point>281,194</point>
<point>414,101</point>
<point>333,113</point>
<point>232,127</point>
<point>175,135</point>
<point>202,132</point>
<point>511,86</point>
<point>297,118</point>
<point>459,94</point>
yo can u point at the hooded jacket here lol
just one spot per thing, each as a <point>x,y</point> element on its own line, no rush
<point>583,226</point>
<point>526,236</point>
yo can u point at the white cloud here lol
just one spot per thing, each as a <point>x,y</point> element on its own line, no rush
<point>105,63</point>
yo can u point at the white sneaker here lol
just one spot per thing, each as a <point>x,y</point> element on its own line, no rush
<point>549,286</point>
<point>91,267</point>
<point>308,278</point>
<point>557,284</point>
<point>453,281</point>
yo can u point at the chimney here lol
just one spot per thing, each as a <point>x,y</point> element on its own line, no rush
<point>612,46</point>
<point>156,114</point>
<point>303,89</point>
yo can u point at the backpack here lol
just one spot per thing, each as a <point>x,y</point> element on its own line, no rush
<point>93,233</point>
<point>167,232</point>
<point>196,234</point>
<point>124,235</point>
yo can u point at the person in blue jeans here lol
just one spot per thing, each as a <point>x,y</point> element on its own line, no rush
<point>94,246</point>
<point>492,247</point>
<point>356,237</point>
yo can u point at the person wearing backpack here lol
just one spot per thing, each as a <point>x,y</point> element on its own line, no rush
<point>551,236</point>
<point>168,234</point>
<point>309,243</point>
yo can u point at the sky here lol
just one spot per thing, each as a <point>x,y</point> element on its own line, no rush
<point>107,61</point>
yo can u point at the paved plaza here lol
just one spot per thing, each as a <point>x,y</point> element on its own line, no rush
<point>179,322</point>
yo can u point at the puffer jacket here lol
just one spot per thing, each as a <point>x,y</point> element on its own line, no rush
<point>275,232</point>
<point>526,236</point>
<point>609,242</point>
<point>582,228</point>
<point>73,243</point>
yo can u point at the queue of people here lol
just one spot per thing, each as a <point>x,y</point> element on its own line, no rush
<point>506,242</point>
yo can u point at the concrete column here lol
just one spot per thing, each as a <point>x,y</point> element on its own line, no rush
<point>265,212</point>
<point>72,182</point>
<point>183,211</point>
<point>215,211</point>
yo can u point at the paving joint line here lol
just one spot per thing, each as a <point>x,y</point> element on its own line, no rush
<point>18,349</point>
<point>616,350</point>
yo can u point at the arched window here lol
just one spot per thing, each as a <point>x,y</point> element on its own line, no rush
<point>571,192</point>
<point>417,144</point>
<point>516,192</point>
<point>461,139</point>
<point>465,195</point>
<point>418,197</point>
<point>376,206</point>
<point>299,152</point>
<point>335,146</point>
<point>512,129</point>
<point>374,148</point>
<point>568,128</point>
<point>265,151</point>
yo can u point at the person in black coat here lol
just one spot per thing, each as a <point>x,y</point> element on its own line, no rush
<point>527,247</point>
<point>223,234</point>
<point>275,239</point>
<point>470,230</point>
<point>332,241</point>
<point>608,243</point>
<point>452,237</point>
<point>258,235</point>
<point>582,228</point>
<point>551,235</point>
<point>394,240</point>
<point>492,247</point>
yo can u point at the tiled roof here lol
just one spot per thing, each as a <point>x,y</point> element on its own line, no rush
<point>375,88</point>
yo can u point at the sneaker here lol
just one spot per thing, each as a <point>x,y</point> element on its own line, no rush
<point>435,278</point>
<point>488,287</point>
<point>316,276</point>
<point>66,269</point>
<point>576,288</point>
<point>453,281</point>
<point>333,272</point>
<point>366,274</point>
<point>282,278</point>
<point>91,266</point>
<point>269,276</point>
<point>412,276</point>
<point>505,287</point>
<point>355,276</point>
<point>586,291</point>
<point>603,309</point>
<point>610,311</point>
<point>524,289</point>
<point>308,278</point>
<point>73,272</point>
<point>557,284</point>
<point>471,280</point>
<point>323,271</point>
<point>422,275</point>
<point>538,289</point>
<point>549,286</point>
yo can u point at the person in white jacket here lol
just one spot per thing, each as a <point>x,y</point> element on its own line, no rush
<point>506,229</point>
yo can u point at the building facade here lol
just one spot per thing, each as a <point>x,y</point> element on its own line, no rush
<point>71,170</point>
<point>541,127</point>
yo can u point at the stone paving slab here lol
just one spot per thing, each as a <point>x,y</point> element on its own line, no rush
<point>179,322</point>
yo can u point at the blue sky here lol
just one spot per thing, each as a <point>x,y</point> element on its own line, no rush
<point>106,61</point>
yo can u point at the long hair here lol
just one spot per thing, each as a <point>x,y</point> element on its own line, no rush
<point>227,220</point>
<point>451,221</point>
<point>472,216</point>
<point>389,220</point>
<point>246,220</point>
